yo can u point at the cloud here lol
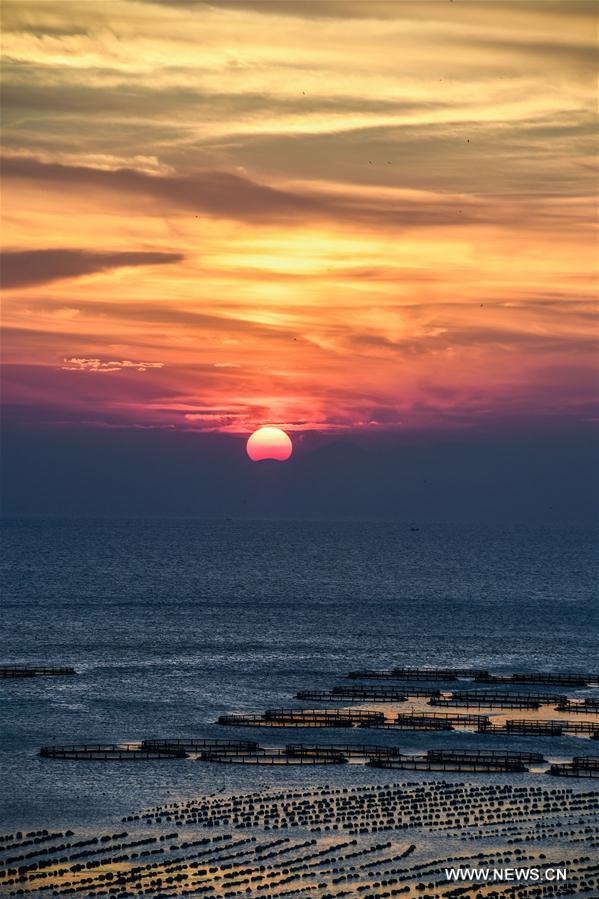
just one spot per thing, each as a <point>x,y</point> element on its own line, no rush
<point>22,268</point>
<point>226,195</point>
<point>77,363</point>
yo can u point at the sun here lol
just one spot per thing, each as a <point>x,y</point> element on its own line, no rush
<point>269,443</point>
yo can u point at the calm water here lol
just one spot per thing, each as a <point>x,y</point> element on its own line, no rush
<point>171,623</point>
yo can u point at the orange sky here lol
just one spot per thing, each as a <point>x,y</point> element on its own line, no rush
<point>325,215</point>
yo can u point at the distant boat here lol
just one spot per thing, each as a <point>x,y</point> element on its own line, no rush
<point>414,529</point>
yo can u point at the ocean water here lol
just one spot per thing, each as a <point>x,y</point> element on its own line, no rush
<point>173,622</point>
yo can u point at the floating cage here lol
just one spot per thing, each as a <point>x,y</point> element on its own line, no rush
<point>350,750</point>
<point>273,757</point>
<point>414,722</point>
<point>251,720</point>
<point>586,761</point>
<point>540,677</point>
<point>581,727</point>
<point>393,694</point>
<point>34,671</point>
<point>463,700</point>
<point>420,763</point>
<point>525,727</point>
<point>571,770</point>
<point>198,745</point>
<point>105,752</point>
<point>356,715</point>
<point>438,673</point>
<point>500,755</point>
<point>579,706</point>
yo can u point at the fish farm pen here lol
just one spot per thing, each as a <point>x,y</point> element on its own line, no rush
<point>433,722</point>
<point>555,680</point>
<point>250,720</point>
<point>566,679</point>
<point>586,761</point>
<point>351,750</point>
<point>572,769</point>
<point>198,745</point>
<point>581,727</point>
<point>526,727</point>
<point>441,673</point>
<point>441,717</point>
<point>464,701</point>
<point>393,694</point>
<point>34,671</point>
<point>425,674</point>
<point>413,724</point>
<point>354,715</point>
<point>502,695</point>
<point>553,727</point>
<point>274,758</point>
<point>377,694</point>
<point>110,752</point>
<point>499,754</point>
<point>579,706</point>
<point>471,766</point>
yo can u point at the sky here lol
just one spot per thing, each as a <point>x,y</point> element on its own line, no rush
<point>368,223</point>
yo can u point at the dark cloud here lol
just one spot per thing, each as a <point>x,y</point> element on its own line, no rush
<point>217,193</point>
<point>22,268</point>
<point>228,195</point>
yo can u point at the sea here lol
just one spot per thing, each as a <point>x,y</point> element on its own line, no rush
<point>171,623</point>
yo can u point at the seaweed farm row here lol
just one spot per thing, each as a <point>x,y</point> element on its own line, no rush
<point>371,842</point>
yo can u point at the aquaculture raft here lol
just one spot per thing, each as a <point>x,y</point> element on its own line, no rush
<point>200,745</point>
<point>505,755</point>
<point>34,671</point>
<point>273,757</point>
<point>579,706</point>
<point>105,752</point>
<point>358,750</point>
<point>581,766</point>
<point>419,763</point>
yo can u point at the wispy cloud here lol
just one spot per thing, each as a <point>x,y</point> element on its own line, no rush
<point>78,363</point>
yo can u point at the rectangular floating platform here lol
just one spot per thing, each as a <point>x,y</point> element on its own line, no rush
<point>34,671</point>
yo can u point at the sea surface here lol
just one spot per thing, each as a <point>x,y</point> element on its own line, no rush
<point>170,623</point>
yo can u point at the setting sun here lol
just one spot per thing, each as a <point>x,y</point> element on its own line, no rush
<point>269,443</point>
